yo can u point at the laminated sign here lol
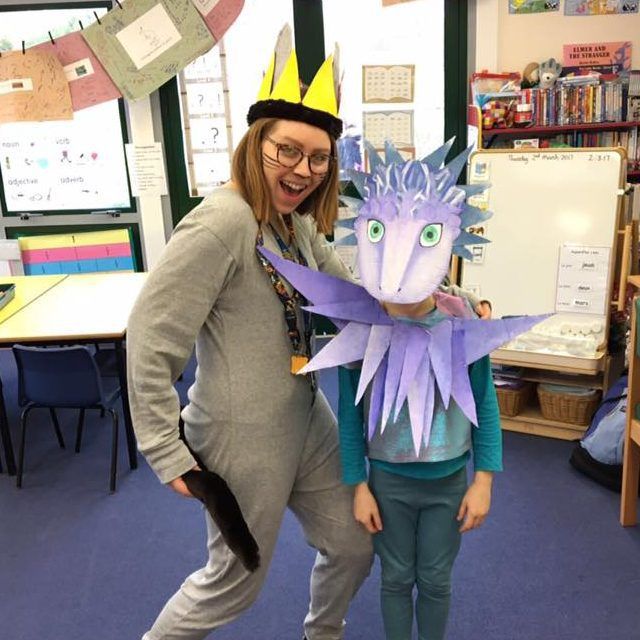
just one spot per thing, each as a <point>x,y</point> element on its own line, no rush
<point>145,43</point>
<point>33,87</point>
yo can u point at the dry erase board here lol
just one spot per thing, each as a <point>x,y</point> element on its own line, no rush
<point>541,200</point>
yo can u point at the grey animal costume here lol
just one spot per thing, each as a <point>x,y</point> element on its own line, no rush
<point>248,418</point>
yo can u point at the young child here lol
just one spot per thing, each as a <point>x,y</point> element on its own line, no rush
<point>424,388</point>
<point>418,506</point>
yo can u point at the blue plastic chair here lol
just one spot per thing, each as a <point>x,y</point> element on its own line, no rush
<point>62,377</point>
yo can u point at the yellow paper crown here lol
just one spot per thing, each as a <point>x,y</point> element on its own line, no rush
<point>280,94</point>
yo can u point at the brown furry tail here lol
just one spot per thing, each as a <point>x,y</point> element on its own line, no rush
<point>224,509</point>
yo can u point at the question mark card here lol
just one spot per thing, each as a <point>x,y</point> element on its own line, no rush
<point>205,98</point>
<point>208,134</point>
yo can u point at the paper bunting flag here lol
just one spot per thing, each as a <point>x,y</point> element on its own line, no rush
<point>145,43</point>
<point>89,83</point>
<point>33,87</point>
<point>219,14</point>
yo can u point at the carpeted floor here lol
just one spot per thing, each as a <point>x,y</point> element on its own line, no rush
<point>551,563</point>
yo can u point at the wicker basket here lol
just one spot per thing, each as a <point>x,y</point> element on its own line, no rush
<point>568,407</point>
<point>513,401</point>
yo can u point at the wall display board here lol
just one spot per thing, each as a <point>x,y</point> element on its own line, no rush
<point>62,166</point>
<point>552,241</point>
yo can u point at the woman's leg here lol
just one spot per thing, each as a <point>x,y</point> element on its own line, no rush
<point>259,463</point>
<point>396,546</point>
<point>437,548</point>
<point>324,507</point>
<point>216,594</point>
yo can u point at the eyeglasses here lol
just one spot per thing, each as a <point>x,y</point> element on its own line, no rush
<point>289,156</point>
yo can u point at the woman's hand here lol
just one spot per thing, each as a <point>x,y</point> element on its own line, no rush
<point>179,485</point>
<point>476,502</point>
<point>365,508</point>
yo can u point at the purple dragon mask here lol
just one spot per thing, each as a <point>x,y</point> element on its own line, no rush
<point>411,218</point>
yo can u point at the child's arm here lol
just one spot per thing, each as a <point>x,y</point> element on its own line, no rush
<point>351,427</point>
<point>487,447</point>
<point>352,450</point>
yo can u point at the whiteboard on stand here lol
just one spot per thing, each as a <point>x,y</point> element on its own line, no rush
<point>541,201</point>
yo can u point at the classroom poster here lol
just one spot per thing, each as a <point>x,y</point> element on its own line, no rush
<point>89,83</point>
<point>146,169</point>
<point>219,15</point>
<point>33,88</point>
<point>394,126</point>
<point>388,83</point>
<point>533,6</point>
<point>605,57</point>
<point>147,42</point>
<point>65,165</point>
<point>599,7</point>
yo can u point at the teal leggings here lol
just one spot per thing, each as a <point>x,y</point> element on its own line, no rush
<point>417,546</point>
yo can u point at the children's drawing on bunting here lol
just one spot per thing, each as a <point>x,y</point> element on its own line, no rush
<point>146,43</point>
<point>33,87</point>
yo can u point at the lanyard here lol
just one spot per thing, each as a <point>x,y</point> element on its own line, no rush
<point>301,345</point>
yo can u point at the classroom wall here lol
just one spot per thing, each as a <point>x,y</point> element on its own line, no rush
<point>506,42</point>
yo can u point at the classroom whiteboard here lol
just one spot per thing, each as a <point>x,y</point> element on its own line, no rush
<point>541,201</point>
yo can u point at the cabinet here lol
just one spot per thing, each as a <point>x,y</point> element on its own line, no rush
<point>530,420</point>
<point>600,134</point>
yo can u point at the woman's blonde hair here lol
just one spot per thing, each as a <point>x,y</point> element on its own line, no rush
<point>248,175</point>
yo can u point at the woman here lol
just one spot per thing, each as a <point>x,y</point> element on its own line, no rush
<point>270,434</point>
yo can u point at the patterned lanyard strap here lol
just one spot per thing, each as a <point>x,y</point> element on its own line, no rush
<point>301,349</point>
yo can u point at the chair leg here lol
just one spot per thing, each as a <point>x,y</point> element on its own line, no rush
<point>23,433</point>
<point>79,431</point>
<point>114,451</point>
<point>56,426</point>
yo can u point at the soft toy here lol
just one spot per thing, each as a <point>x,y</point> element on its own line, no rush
<point>530,76</point>
<point>549,72</point>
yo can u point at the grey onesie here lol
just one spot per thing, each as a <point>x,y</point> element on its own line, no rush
<point>248,417</point>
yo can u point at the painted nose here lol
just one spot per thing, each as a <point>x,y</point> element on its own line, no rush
<point>302,168</point>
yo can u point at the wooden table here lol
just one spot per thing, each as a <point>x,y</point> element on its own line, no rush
<point>74,309</point>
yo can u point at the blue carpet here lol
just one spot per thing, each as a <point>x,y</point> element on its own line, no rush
<point>551,563</point>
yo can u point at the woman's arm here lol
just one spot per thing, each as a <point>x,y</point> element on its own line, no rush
<point>173,305</point>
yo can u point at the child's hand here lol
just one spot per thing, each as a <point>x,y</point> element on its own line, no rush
<point>365,508</point>
<point>476,502</point>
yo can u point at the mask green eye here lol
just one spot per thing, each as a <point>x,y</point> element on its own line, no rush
<point>375,231</point>
<point>430,235</point>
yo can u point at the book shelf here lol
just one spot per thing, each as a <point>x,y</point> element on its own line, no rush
<point>488,137</point>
